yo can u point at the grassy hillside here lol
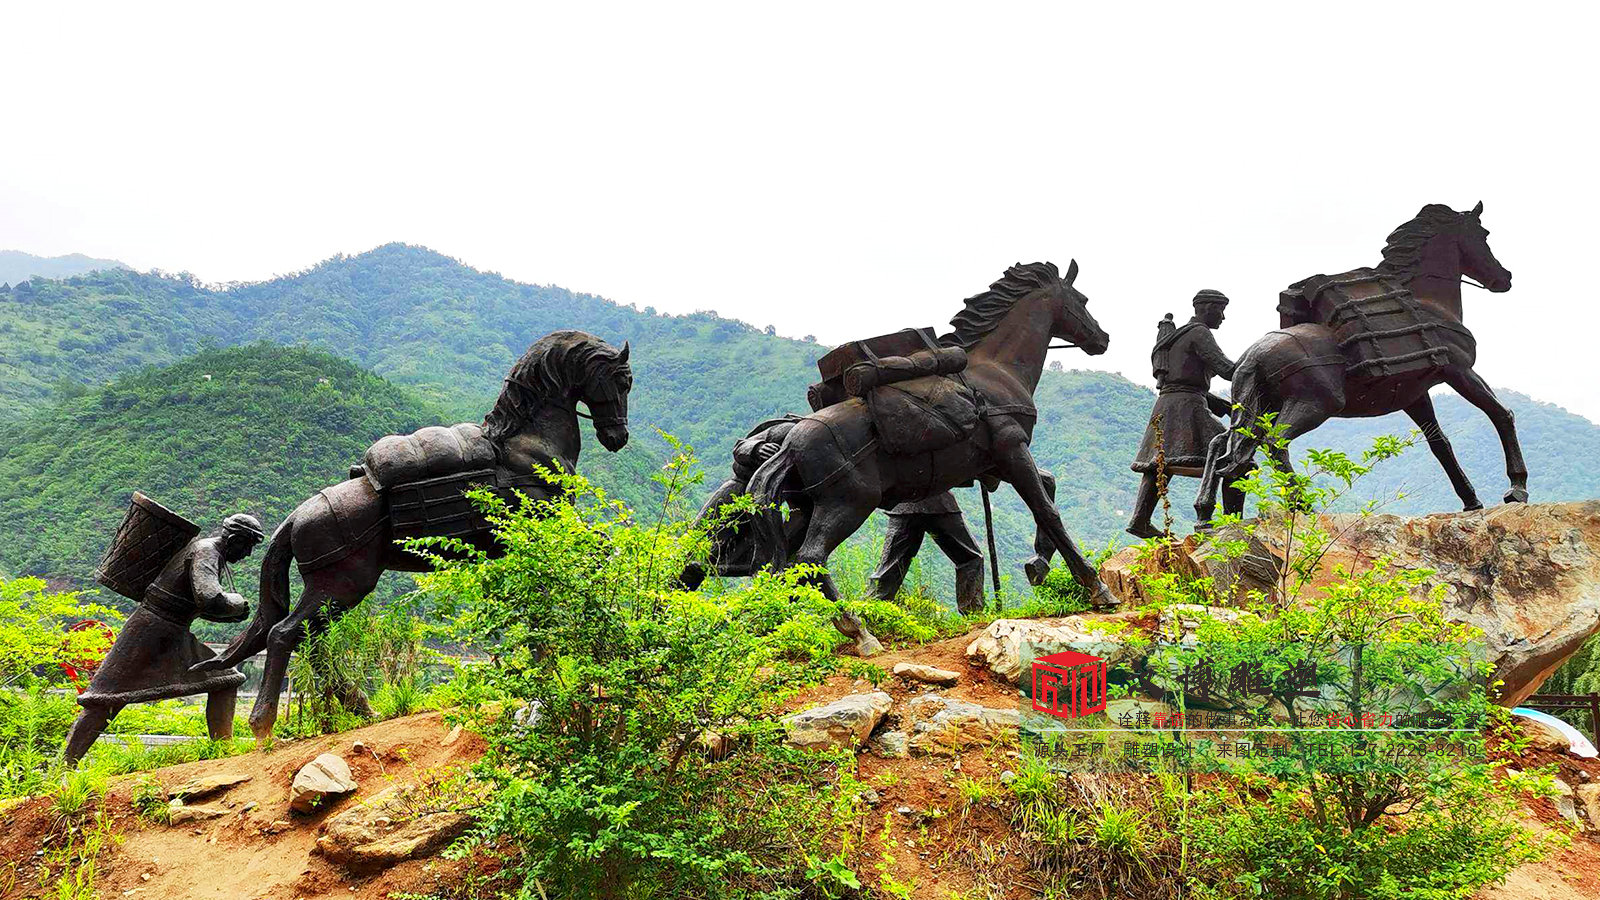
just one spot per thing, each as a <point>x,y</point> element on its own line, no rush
<point>446,334</point>
<point>251,429</point>
<point>17,266</point>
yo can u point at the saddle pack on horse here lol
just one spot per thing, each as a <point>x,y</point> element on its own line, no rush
<point>424,475</point>
<point>905,379</point>
<point>1381,327</point>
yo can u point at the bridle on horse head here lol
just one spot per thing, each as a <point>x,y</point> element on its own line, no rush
<point>611,399</point>
<point>603,414</point>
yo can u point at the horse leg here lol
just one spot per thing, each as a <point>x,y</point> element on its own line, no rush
<point>1297,417</point>
<point>1018,468</point>
<point>1471,386</point>
<point>1038,565</point>
<point>1228,458</point>
<point>1422,413</point>
<point>282,640</point>
<point>828,528</point>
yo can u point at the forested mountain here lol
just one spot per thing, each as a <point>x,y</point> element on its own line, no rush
<point>442,336</point>
<point>17,266</point>
<point>253,429</point>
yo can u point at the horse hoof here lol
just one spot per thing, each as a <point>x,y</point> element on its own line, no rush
<point>1474,506</point>
<point>1103,598</point>
<point>262,731</point>
<point>1517,495</point>
<point>1037,569</point>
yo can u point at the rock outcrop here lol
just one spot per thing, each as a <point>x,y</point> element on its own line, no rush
<point>389,829</point>
<point>319,782</point>
<point>845,722</point>
<point>1003,644</point>
<point>1527,575</point>
<point>941,725</point>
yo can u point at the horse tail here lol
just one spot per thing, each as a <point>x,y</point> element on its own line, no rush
<point>766,488</point>
<point>274,604</point>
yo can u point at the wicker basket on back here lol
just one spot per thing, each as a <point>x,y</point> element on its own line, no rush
<point>148,537</point>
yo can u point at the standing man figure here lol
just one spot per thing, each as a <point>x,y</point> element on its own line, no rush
<point>1183,421</point>
<point>909,523</point>
<point>151,657</point>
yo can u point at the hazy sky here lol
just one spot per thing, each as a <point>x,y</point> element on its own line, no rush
<point>831,169</point>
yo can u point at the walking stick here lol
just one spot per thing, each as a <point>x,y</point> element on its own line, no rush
<point>994,557</point>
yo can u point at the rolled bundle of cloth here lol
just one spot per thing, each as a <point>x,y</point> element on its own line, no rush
<point>864,376</point>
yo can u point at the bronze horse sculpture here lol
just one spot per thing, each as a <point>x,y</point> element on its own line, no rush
<point>343,537</point>
<point>1371,342</point>
<point>832,470</point>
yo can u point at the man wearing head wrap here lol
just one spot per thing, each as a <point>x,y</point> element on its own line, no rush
<point>152,655</point>
<point>1183,421</point>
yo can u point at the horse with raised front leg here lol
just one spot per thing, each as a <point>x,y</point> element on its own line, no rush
<point>343,538</point>
<point>1371,342</point>
<point>833,469</point>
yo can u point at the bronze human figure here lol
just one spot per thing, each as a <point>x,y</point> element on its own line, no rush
<point>735,552</point>
<point>918,438</point>
<point>938,516</point>
<point>152,656</point>
<point>345,536</point>
<point>1184,421</point>
<point>1369,342</point>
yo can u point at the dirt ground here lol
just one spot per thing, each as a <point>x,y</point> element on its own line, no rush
<point>261,851</point>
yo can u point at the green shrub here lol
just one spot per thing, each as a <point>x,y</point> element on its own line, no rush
<point>1354,812</point>
<point>607,789</point>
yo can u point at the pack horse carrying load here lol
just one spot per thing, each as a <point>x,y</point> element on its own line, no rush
<point>344,537</point>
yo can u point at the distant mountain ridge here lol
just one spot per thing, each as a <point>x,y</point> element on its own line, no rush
<point>446,334</point>
<point>16,265</point>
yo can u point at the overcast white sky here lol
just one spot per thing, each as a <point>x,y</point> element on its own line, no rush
<point>831,169</point>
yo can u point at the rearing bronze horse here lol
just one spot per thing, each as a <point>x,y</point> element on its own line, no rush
<point>342,537</point>
<point>1304,374</point>
<point>832,471</point>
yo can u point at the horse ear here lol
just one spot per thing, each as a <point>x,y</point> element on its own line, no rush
<point>623,356</point>
<point>1477,211</point>
<point>1072,272</point>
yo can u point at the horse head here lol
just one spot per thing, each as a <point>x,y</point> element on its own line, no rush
<point>1477,260</point>
<point>1072,322</point>
<point>1441,245</point>
<point>565,368</point>
<point>605,392</point>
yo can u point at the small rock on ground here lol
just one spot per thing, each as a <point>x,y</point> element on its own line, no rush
<point>926,674</point>
<point>845,722</point>
<point>326,778</point>
<point>207,786</point>
<point>185,815</point>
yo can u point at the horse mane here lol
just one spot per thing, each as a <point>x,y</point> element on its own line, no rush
<point>984,311</point>
<point>549,370</point>
<point>1402,255</point>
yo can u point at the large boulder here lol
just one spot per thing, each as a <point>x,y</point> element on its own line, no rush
<point>941,725</point>
<point>389,829</point>
<point>1004,643</point>
<point>845,722</point>
<point>1528,575</point>
<point>320,782</point>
